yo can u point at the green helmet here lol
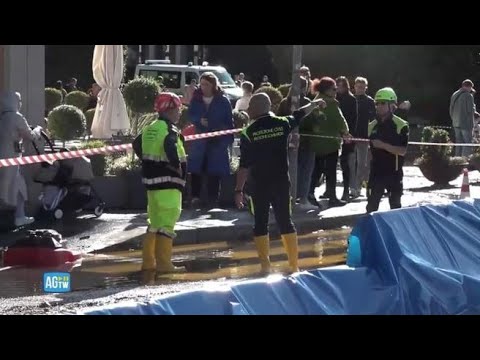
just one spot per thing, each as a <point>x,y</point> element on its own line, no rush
<point>386,94</point>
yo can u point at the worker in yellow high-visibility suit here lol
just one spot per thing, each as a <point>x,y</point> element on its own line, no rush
<point>161,149</point>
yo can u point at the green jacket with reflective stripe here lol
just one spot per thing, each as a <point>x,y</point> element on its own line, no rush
<point>393,131</point>
<point>163,156</point>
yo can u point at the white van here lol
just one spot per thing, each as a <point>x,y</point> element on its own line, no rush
<point>175,77</point>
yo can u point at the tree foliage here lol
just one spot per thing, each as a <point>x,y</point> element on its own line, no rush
<point>426,75</point>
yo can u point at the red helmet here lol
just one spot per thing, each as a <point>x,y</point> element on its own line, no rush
<point>166,101</point>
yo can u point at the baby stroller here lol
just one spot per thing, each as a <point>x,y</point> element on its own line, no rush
<point>66,184</point>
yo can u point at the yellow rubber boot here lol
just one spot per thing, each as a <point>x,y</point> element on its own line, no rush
<point>148,252</point>
<point>148,277</point>
<point>262,243</point>
<point>163,255</point>
<point>290,243</point>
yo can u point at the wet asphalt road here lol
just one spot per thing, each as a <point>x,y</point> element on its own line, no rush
<point>108,278</point>
<point>87,233</point>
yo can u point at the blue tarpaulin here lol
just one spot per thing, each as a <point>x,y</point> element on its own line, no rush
<point>423,260</point>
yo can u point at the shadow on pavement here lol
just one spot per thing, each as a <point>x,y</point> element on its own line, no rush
<point>432,188</point>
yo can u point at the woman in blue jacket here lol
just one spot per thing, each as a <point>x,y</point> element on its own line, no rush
<point>209,110</point>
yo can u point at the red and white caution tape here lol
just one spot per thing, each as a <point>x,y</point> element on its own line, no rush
<point>34,159</point>
<point>212,134</point>
<point>335,137</point>
<point>441,144</point>
<point>26,160</point>
<point>410,143</point>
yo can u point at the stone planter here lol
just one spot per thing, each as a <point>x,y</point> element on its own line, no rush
<point>113,190</point>
<point>127,191</point>
<point>440,173</point>
<point>475,162</point>
<point>122,192</point>
<point>98,163</point>
<point>137,193</point>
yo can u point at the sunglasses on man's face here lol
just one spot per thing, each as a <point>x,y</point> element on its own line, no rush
<point>381,103</point>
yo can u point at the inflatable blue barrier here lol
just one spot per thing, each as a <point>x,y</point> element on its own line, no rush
<point>423,260</point>
<point>188,303</point>
<point>354,251</point>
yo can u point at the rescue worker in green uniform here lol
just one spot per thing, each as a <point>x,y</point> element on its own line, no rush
<point>161,149</point>
<point>388,136</point>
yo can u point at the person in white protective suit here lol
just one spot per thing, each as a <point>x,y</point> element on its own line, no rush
<point>14,130</point>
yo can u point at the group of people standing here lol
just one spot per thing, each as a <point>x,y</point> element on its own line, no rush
<point>321,147</point>
<point>264,156</point>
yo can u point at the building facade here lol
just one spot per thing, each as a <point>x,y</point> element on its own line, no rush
<point>22,69</point>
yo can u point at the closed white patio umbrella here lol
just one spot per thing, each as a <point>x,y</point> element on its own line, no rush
<point>111,112</point>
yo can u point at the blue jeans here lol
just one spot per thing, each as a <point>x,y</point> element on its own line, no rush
<point>463,136</point>
<point>306,164</point>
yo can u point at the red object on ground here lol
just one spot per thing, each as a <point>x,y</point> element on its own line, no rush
<point>38,257</point>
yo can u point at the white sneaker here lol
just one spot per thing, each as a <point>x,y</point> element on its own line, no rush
<point>24,221</point>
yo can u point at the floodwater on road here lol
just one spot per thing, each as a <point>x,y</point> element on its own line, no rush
<point>217,261</point>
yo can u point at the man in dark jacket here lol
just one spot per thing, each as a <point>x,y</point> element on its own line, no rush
<point>264,151</point>
<point>366,112</point>
<point>389,140</point>
<point>348,105</point>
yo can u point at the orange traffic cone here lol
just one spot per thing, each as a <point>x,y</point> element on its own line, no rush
<point>465,191</point>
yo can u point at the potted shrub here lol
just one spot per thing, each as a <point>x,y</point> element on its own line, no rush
<point>475,159</point>
<point>111,188</point>
<point>436,162</point>
<point>121,185</point>
<point>129,169</point>
<point>53,98</point>
<point>66,122</point>
<point>78,99</point>
<point>89,115</point>
<point>98,161</point>
<point>145,120</point>
<point>140,94</point>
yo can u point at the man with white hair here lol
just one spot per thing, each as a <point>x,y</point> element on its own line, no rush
<point>264,152</point>
<point>462,112</point>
